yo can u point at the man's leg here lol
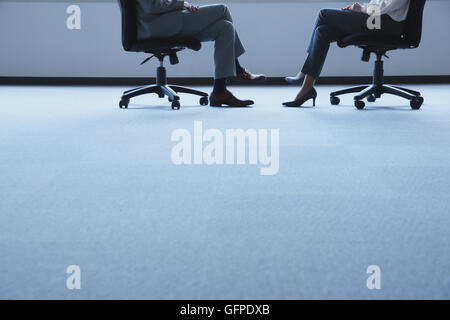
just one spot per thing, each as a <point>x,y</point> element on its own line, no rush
<point>214,23</point>
<point>243,74</point>
<point>195,23</point>
<point>239,48</point>
<point>224,35</point>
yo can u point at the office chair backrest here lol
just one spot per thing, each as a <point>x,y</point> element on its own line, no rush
<point>413,27</point>
<point>129,28</point>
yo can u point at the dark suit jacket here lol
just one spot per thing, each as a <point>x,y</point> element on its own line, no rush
<point>158,18</point>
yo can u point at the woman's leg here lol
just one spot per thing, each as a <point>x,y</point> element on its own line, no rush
<point>340,21</point>
<point>331,25</point>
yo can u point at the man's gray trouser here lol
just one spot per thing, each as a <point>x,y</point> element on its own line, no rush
<point>214,23</point>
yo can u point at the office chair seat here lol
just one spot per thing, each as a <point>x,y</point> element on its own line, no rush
<point>159,45</point>
<point>374,40</point>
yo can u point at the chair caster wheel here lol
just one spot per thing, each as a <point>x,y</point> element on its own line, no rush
<point>335,101</point>
<point>204,101</point>
<point>417,103</point>
<point>359,104</point>
<point>123,104</point>
<point>176,105</point>
<point>371,98</point>
<point>421,99</point>
<point>161,95</point>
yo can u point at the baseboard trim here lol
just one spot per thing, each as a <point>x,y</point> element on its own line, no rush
<point>90,81</point>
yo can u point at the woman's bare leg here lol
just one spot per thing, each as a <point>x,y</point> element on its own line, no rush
<point>308,84</point>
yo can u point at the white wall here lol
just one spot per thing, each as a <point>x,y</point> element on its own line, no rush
<point>35,42</point>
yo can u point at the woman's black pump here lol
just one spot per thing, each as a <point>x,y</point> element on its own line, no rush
<point>311,94</point>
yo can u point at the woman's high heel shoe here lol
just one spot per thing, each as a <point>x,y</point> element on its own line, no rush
<point>311,94</point>
<point>294,80</point>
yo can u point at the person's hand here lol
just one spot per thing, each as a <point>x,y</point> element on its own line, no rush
<point>354,7</point>
<point>346,8</point>
<point>190,7</point>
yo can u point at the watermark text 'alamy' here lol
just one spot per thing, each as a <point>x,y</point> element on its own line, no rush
<point>233,146</point>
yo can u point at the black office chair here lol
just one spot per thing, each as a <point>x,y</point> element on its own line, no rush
<point>159,48</point>
<point>380,44</point>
